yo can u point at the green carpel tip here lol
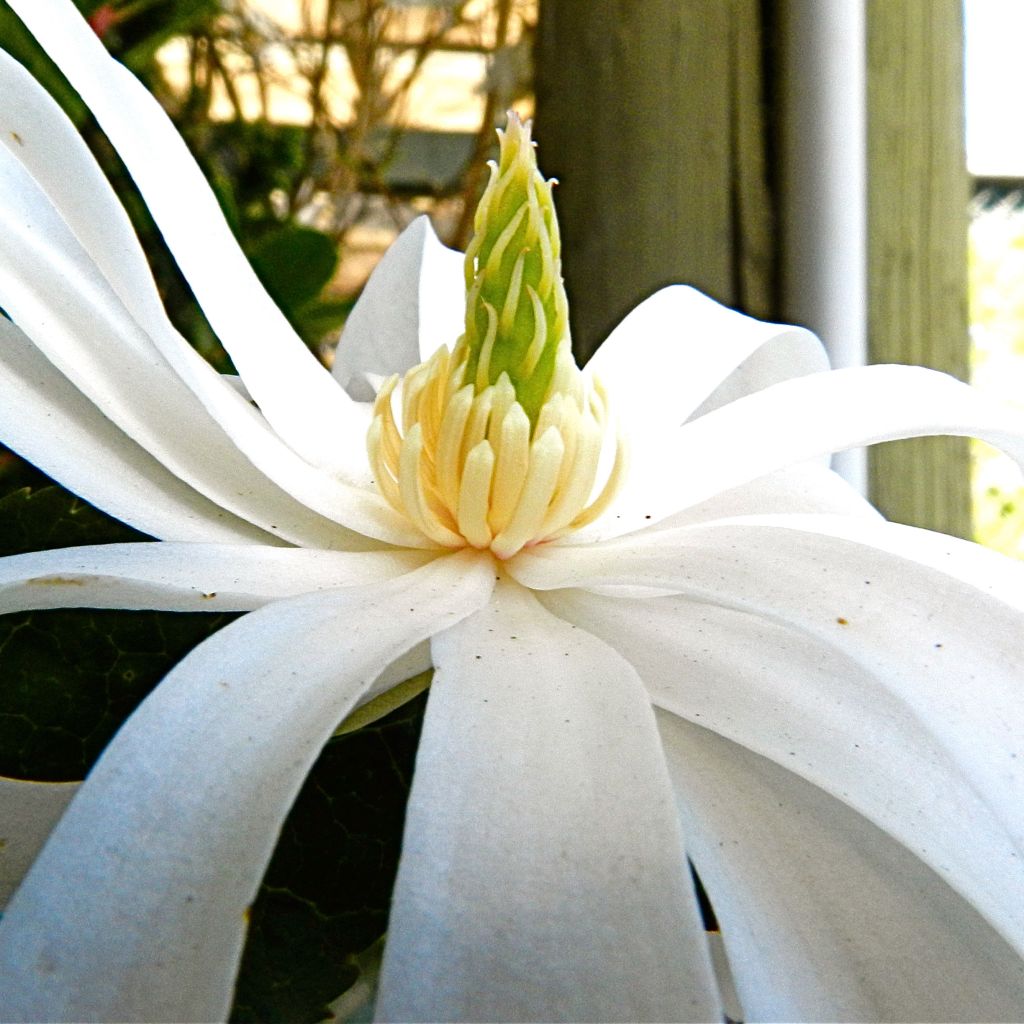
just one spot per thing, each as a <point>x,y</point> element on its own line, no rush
<point>516,309</point>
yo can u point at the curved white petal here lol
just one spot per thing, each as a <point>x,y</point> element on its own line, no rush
<point>542,875</point>
<point>53,425</point>
<point>808,487</point>
<point>46,143</point>
<point>415,662</point>
<point>89,337</point>
<point>413,303</point>
<point>43,139</point>
<point>881,663</point>
<point>135,909</point>
<point>299,398</point>
<point>825,917</point>
<point>51,290</point>
<point>679,348</point>
<point>28,813</point>
<point>186,577</point>
<point>797,420</point>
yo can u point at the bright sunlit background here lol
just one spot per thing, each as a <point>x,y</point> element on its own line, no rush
<point>994,83</point>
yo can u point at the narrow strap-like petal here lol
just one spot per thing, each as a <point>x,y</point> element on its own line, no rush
<point>92,340</point>
<point>186,577</point>
<point>135,910</point>
<point>543,876</point>
<point>52,291</point>
<point>51,423</point>
<point>413,303</point>
<point>797,420</point>
<point>47,144</point>
<point>879,662</point>
<point>806,488</point>
<point>28,813</point>
<point>42,137</point>
<point>295,393</point>
<point>824,916</point>
<point>679,348</point>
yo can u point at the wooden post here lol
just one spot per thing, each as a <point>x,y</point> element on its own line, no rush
<point>650,115</point>
<point>918,194</point>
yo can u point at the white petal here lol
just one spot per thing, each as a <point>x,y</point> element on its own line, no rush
<point>41,136</point>
<point>675,349</point>
<point>53,425</point>
<point>796,420</point>
<point>804,488</point>
<point>49,147</point>
<point>881,663</point>
<point>90,338</point>
<point>135,910</point>
<point>186,577</point>
<point>824,916</point>
<point>413,303</point>
<point>52,291</point>
<point>415,662</point>
<point>295,393</point>
<point>808,488</point>
<point>542,873</point>
<point>28,812</point>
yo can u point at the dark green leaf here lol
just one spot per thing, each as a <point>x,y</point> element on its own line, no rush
<point>322,317</point>
<point>69,678</point>
<point>16,473</point>
<point>294,263</point>
<point>34,520</point>
<point>155,22</point>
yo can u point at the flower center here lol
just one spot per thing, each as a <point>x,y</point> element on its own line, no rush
<point>501,440</point>
<point>466,468</point>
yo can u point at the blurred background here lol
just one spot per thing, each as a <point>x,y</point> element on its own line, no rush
<point>994,83</point>
<point>854,165</point>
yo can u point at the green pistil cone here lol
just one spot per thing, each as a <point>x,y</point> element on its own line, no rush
<point>517,315</point>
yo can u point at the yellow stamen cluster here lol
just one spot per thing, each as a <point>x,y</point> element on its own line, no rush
<point>501,440</point>
<point>466,468</point>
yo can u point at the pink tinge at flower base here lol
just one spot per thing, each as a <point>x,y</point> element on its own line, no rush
<point>712,649</point>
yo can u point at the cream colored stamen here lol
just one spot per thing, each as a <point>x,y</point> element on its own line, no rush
<point>468,470</point>
<point>503,442</point>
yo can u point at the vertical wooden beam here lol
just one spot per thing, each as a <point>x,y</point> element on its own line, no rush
<point>649,114</point>
<point>918,194</point>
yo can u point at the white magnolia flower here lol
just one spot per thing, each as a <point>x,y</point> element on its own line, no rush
<point>727,657</point>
